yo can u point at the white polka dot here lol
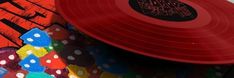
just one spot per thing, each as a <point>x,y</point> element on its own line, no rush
<point>106,66</point>
<point>37,35</point>
<point>56,56</point>
<point>72,76</point>
<point>65,42</point>
<point>77,52</point>
<point>32,61</point>
<point>26,65</point>
<point>58,71</point>
<point>37,48</point>
<point>57,29</point>
<point>50,33</point>
<point>48,61</point>
<point>20,75</point>
<point>80,73</point>
<point>70,58</point>
<point>3,62</point>
<point>55,44</point>
<point>29,52</point>
<point>50,47</point>
<point>52,75</point>
<point>72,37</point>
<point>11,57</point>
<point>30,39</point>
<point>94,71</point>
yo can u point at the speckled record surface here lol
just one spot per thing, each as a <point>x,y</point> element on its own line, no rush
<point>192,31</point>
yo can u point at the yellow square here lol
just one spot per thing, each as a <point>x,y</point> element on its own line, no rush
<point>26,50</point>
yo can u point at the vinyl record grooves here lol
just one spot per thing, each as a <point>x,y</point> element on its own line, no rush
<point>191,31</point>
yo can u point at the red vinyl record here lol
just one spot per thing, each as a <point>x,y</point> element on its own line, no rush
<point>191,31</point>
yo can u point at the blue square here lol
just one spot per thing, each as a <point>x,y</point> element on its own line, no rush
<point>36,37</point>
<point>32,64</point>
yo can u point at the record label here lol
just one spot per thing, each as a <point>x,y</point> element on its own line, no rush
<point>170,10</point>
<point>181,13</point>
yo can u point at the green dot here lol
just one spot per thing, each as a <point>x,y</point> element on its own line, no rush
<point>56,45</point>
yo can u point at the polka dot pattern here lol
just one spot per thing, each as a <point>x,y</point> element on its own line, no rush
<point>66,57</point>
<point>16,74</point>
<point>53,61</point>
<point>77,56</point>
<point>58,73</point>
<point>9,58</point>
<point>57,32</point>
